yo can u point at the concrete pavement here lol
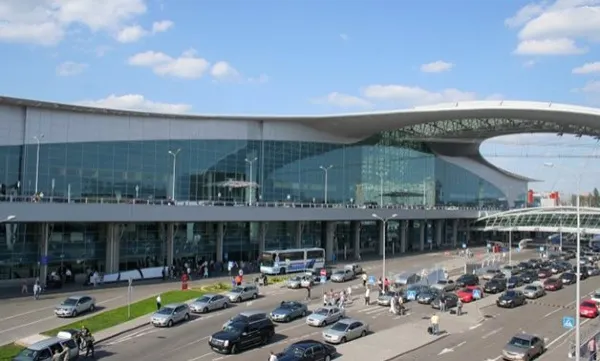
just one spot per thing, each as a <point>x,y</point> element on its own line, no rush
<point>21,318</point>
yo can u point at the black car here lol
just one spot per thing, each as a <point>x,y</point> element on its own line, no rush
<point>467,280</point>
<point>514,282</point>
<point>524,266</point>
<point>529,276</point>
<point>494,286</point>
<point>450,300</point>
<point>569,278</point>
<point>511,298</point>
<point>426,297</point>
<point>238,336</point>
<point>307,350</point>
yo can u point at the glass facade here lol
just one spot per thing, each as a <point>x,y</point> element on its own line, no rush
<point>280,170</point>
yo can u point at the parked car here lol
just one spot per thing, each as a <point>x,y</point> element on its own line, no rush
<point>466,294</point>
<point>529,276</point>
<point>450,299</point>
<point>242,293</point>
<point>209,302</point>
<point>288,311</point>
<point>417,289</point>
<point>428,296</point>
<point>494,286</point>
<point>407,278</point>
<point>490,273</point>
<point>514,282</point>
<point>342,275</point>
<point>511,299</point>
<point>445,285</point>
<point>43,350</point>
<point>553,284</point>
<point>355,268</point>
<point>385,298</point>
<point>238,336</point>
<point>324,316</point>
<point>588,309</point>
<point>345,330</point>
<point>467,280</point>
<point>171,314</point>
<point>75,305</point>
<point>544,273</point>
<point>534,291</point>
<point>296,281</point>
<point>247,317</point>
<point>523,347</point>
<point>307,350</point>
<point>568,278</point>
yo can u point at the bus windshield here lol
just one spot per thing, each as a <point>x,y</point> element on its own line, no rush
<point>268,259</point>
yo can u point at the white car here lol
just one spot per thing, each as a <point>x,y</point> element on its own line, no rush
<point>596,296</point>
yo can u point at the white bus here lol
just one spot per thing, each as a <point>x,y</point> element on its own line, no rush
<point>291,260</point>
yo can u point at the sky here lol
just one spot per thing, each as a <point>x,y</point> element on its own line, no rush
<point>317,57</point>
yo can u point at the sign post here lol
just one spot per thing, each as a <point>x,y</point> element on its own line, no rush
<point>129,292</point>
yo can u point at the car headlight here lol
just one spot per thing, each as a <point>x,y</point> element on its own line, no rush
<point>226,343</point>
<point>209,338</point>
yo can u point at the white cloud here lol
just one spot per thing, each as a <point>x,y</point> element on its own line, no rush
<point>45,22</point>
<point>161,26</point>
<point>558,27</point>
<point>587,68</point>
<point>136,102</point>
<point>130,34</point>
<point>342,101</point>
<point>590,87</point>
<point>562,46</point>
<point>188,65</point>
<point>436,67</point>
<point>70,68</point>
<point>344,37</point>
<point>222,70</point>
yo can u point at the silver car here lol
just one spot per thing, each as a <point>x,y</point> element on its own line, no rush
<point>75,305</point>
<point>445,285</point>
<point>242,293</point>
<point>170,315</point>
<point>345,330</point>
<point>534,291</point>
<point>524,347</point>
<point>294,282</point>
<point>386,298</point>
<point>209,303</point>
<point>325,316</point>
<point>355,267</point>
<point>342,275</point>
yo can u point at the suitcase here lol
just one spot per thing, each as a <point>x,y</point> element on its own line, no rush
<point>430,330</point>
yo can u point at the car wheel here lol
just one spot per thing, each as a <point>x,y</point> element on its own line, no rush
<point>225,305</point>
<point>74,314</point>
<point>254,296</point>
<point>327,358</point>
<point>170,324</point>
<point>287,319</point>
<point>303,313</point>
<point>282,271</point>
<point>186,317</point>
<point>239,299</point>
<point>205,310</point>
<point>324,323</point>
<point>343,340</point>
<point>234,349</point>
<point>364,333</point>
<point>92,308</point>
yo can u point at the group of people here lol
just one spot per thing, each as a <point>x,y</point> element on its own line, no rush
<point>84,339</point>
<point>339,299</point>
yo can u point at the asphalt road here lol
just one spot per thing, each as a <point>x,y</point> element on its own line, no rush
<point>189,341</point>
<point>542,317</point>
<point>22,317</point>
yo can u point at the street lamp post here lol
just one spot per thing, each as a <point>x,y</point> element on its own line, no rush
<point>384,236</point>
<point>381,175</point>
<point>326,180</point>
<point>174,155</point>
<point>250,184</point>
<point>578,268</point>
<point>37,139</point>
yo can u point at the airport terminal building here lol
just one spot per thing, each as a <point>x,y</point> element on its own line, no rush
<point>116,190</point>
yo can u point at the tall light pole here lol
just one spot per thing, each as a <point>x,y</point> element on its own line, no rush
<point>384,236</point>
<point>251,183</point>
<point>326,180</point>
<point>174,155</point>
<point>381,175</point>
<point>37,139</point>
<point>578,268</point>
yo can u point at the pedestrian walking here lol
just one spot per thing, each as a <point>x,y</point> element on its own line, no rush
<point>368,296</point>
<point>459,306</point>
<point>591,346</point>
<point>158,303</point>
<point>89,344</point>
<point>273,357</point>
<point>37,290</point>
<point>442,304</point>
<point>364,280</point>
<point>435,324</point>
<point>308,292</point>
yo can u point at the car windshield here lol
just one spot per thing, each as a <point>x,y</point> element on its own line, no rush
<point>519,342</point>
<point>340,326</point>
<point>390,293</point>
<point>27,354</point>
<point>296,278</point>
<point>510,294</point>
<point>204,299</point>
<point>588,304</point>
<point>286,305</point>
<point>513,279</point>
<point>442,282</point>
<point>596,295</point>
<point>467,290</point>
<point>321,311</point>
<point>233,328</point>
<point>550,281</point>
<point>237,290</point>
<point>492,271</point>
<point>530,288</point>
<point>70,302</point>
<point>239,318</point>
<point>339,272</point>
<point>294,351</point>
<point>165,311</point>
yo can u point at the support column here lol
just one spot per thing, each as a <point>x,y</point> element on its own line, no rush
<point>220,236</point>
<point>403,235</point>
<point>468,233</point>
<point>262,237</point>
<point>44,236</point>
<point>170,244</point>
<point>454,233</point>
<point>439,227</point>
<point>355,231</point>
<point>422,235</point>
<point>113,235</point>
<point>299,232</point>
<point>382,231</point>
<point>107,233</point>
<point>329,237</point>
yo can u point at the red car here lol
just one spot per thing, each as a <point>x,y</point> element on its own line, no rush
<point>553,284</point>
<point>588,309</point>
<point>466,294</point>
<point>544,273</point>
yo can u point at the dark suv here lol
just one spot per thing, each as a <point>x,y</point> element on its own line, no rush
<point>467,280</point>
<point>242,333</point>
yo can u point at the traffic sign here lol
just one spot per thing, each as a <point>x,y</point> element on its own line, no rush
<point>323,279</point>
<point>568,322</point>
<point>476,294</point>
<point>372,280</point>
<point>411,295</point>
<point>542,249</point>
<point>464,245</point>
<point>323,272</point>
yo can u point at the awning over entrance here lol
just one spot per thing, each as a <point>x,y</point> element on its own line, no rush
<point>542,219</point>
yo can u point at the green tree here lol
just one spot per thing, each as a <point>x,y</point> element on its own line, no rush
<point>596,198</point>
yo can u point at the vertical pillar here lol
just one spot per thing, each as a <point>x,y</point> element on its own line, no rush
<point>439,227</point>
<point>44,235</point>
<point>170,236</point>
<point>468,232</point>
<point>220,236</point>
<point>355,231</point>
<point>422,235</point>
<point>299,232</point>
<point>382,238</point>
<point>107,233</point>
<point>113,236</point>
<point>403,235</point>
<point>329,237</point>
<point>454,233</point>
<point>262,237</point>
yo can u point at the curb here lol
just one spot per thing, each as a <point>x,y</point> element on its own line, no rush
<point>441,337</point>
<point>120,333</point>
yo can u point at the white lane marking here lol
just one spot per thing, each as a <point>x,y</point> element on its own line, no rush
<point>491,333</point>
<point>564,334</point>
<point>195,342</point>
<point>553,312</point>
<point>199,357</point>
<point>475,326</point>
<point>451,349</point>
<point>494,359</point>
<point>132,336</point>
<point>48,308</point>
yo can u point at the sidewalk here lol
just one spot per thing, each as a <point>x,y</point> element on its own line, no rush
<point>405,338</point>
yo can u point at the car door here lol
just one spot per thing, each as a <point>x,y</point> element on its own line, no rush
<point>217,302</point>
<point>85,304</point>
<point>353,331</point>
<point>254,336</point>
<point>318,352</point>
<point>537,346</point>
<point>180,313</point>
<point>309,355</point>
<point>45,355</point>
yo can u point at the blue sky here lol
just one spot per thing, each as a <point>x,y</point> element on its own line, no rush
<point>309,56</point>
